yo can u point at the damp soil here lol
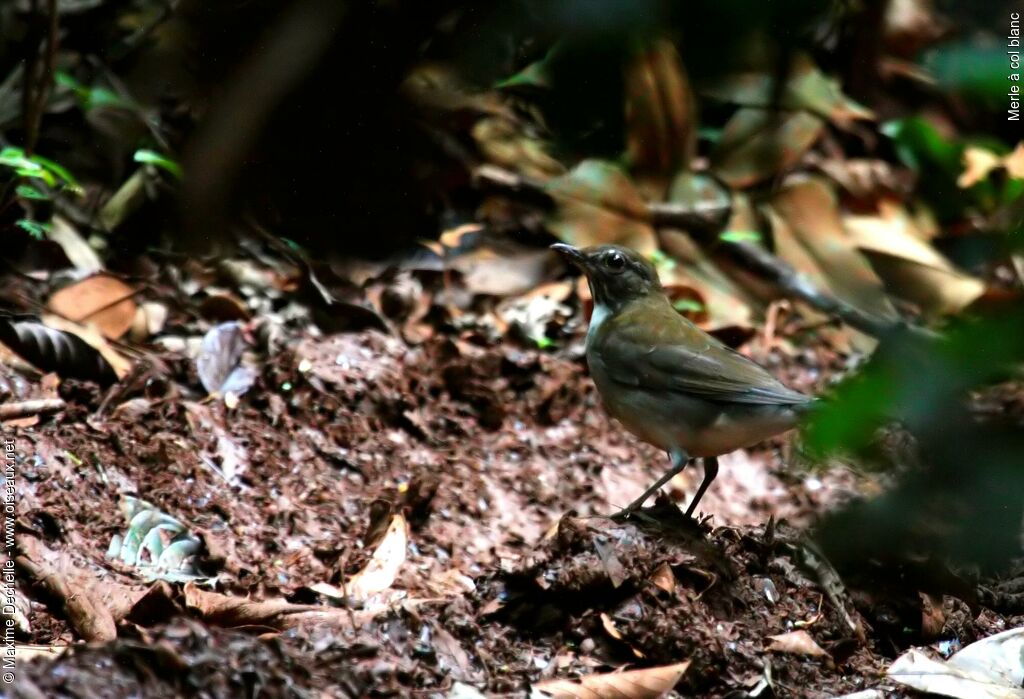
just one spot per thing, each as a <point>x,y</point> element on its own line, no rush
<point>505,467</point>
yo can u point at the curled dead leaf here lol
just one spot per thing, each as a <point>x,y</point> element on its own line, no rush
<point>647,683</point>
<point>232,612</point>
<point>796,643</point>
<point>660,123</point>
<point>380,572</point>
<point>664,578</point>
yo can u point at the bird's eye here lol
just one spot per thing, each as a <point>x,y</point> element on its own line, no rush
<point>616,261</point>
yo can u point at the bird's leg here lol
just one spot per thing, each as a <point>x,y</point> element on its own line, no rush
<point>679,460</point>
<point>710,472</point>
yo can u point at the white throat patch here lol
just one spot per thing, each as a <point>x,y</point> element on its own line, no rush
<point>600,314</point>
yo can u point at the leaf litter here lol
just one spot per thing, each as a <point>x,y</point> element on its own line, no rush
<point>477,448</point>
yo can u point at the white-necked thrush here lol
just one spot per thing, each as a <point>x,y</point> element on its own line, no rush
<point>665,379</point>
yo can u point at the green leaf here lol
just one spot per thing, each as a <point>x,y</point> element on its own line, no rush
<point>740,236</point>
<point>15,158</point>
<point>102,97</point>
<point>536,76</point>
<point>36,166</point>
<point>91,97</point>
<point>661,261</point>
<point>37,173</point>
<point>153,158</point>
<point>28,192</point>
<point>849,420</point>
<point>688,306</point>
<point>35,229</point>
<point>58,170</point>
<point>67,80</point>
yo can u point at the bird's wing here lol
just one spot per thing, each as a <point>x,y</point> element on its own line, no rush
<point>668,353</point>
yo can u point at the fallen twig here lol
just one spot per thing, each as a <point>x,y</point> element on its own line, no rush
<point>25,408</point>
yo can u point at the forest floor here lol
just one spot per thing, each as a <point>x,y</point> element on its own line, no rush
<point>480,474</point>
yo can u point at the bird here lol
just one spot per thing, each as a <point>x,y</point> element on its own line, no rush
<point>666,380</point>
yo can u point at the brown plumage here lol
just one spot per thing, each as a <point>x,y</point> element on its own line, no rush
<point>665,379</point>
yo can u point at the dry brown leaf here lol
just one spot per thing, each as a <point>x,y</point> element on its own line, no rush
<point>91,336</point>
<point>724,302</point>
<point>1014,162</point>
<point>911,268</point>
<point>806,88</point>
<point>101,300</point>
<point>796,643</point>
<point>647,683</point>
<point>697,278</point>
<point>933,616</point>
<point>500,273</point>
<point>808,205</point>
<point>232,612</point>
<point>758,144</point>
<point>664,578</point>
<point>380,572</point>
<point>91,605</point>
<point>661,132</point>
<point>978,163</point>
<point>598,203</point>
<point>610,628</point>
<point>504,142</point>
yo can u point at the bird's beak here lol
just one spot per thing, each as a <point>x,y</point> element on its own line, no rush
<point>571,254</point>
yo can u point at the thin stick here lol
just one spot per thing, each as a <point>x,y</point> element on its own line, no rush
<point>11,411</point>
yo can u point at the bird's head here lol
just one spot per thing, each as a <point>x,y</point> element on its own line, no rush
<point>616,275</point>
